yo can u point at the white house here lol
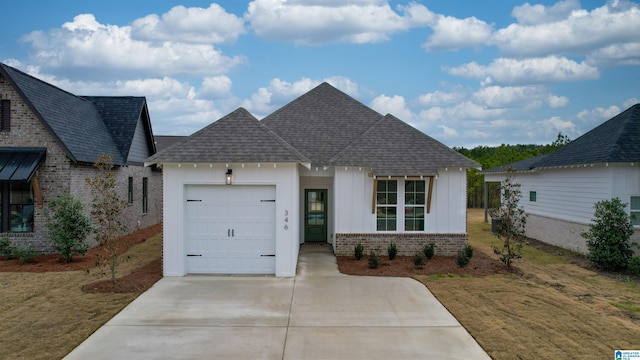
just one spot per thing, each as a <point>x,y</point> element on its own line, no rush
<point>560,189</point>
<point>241,195</point>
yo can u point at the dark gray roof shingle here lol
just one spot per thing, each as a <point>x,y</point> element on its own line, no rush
<point>237,137</point>
<point>393,147</point>
<point>321,122</point>
<point>74,121</point>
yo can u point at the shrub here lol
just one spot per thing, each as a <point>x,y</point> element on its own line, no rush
<point>392,251</point>
<point>429,251</point>
<point>418,260</point>
<point>68,226</point>
<point>358,251</point>
<point>468,251</point>
<point>25,254</point>
<point>6,249</point>
<point>374,261</point>
<point>634,265</point>
<point>608,238</point>
<point>512,221</point>
<point>462,259</point>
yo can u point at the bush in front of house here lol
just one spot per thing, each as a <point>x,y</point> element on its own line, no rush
<point>25,254</point>
<point>374,261</point>
<point>418,260</point>
<point>358,251</point>
<point>464,256</point>
<point>68,226</point>
<point>6,249</point>
<point>609,236</point>
<point>634,265</point>
<point>429,251</point>
<point>392,250</point>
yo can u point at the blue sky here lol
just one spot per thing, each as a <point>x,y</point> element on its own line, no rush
<point>467,73</point>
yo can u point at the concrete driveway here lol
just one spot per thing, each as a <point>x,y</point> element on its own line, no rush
<point>319,314</point>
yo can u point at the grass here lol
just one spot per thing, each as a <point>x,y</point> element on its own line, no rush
<point>46,315</point>
<point>552,309</point>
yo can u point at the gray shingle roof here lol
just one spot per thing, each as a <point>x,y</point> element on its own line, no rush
<point>322,122</point>
<point>324,127</point>
<point>617,140</point>
<point>237,137</point>
<point>392,147</point>
<point>120,114</point>
<point>164,141</point>
<point>76,122</point>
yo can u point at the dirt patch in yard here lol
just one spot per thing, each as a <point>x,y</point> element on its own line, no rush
<point>402,266</point>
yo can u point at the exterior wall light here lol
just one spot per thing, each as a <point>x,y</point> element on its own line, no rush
<point>229,176</point>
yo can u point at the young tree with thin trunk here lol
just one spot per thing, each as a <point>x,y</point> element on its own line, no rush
<point>107,212</point>
<point>513,221</point>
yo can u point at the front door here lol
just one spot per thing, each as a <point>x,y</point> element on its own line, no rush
<point>315,215</point>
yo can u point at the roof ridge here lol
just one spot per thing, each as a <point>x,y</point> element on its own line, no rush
<point>42,81</point>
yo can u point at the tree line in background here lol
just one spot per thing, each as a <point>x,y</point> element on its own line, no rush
<point>492,156</point>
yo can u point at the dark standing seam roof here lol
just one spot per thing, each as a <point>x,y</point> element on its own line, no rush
<point>322,122</point>
<point>74,121</point>
<point>617,140</point>
<point>393,147</point>
<point>120,114</point>
<point>237,137</point>
<point>19,164</point>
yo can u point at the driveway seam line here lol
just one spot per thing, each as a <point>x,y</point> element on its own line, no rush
<point>286,334</point>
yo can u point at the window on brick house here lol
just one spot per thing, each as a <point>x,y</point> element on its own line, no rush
<point>144,194</point>
<point>386,205</point>
<point>5,115</point>
<point>16,206</point>
<point>130,191</point>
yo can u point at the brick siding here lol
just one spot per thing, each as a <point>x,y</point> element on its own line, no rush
<point>408,244</point>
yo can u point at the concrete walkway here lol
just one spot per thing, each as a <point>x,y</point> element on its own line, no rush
<point>319,314</point>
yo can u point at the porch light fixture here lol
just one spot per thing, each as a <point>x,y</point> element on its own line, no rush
<point>228,176</point>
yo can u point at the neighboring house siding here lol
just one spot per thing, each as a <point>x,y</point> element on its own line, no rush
<point>565,198</point>
<point>139,150</point>
<point>283,176</point>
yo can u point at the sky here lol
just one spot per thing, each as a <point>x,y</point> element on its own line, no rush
<point>467,73</point>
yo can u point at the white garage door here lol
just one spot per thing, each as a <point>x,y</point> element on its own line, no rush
<point>230,229</point>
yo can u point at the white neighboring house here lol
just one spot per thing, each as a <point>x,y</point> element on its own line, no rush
<point>241,195</point>
<point>559,190</point>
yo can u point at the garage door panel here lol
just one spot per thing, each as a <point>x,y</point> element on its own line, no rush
<point>230,229</point>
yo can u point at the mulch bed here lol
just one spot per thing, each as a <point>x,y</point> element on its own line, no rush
<point>138,281</point>
<point>402,266</point>
<point>53,262</point>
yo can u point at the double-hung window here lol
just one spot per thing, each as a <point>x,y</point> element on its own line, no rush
<point>414,205</point>
<point>130,191</point>
<point>386,205</point>
<point>16,206</point>
<point>635,210</point>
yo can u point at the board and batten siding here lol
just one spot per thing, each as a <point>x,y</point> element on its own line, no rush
<point>354,191</point>
<point>283,176</point>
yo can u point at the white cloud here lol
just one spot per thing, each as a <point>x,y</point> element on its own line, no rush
<point>394,105</point>
<point>616,55</point>
<point>438,98</point>
<point>319,22</point>
<point>212,25</point>
<point>528,14</point>
<point>215,87</point>
<point>90,49</point>
<point>526,71</point>
<point>579,33</point>
<point>451,33</point>
<point>555,102</point>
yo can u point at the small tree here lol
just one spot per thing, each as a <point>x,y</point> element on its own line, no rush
<point>609,235</point>
<point>68,226</point>
<point>106,212</point>
<point>512,226</point>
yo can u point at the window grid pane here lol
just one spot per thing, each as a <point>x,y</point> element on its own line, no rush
<point>21,207</point>
<point>415,200</point>
<point>387,199</point>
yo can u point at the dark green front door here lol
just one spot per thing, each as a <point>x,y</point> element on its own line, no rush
<point>315,215</point>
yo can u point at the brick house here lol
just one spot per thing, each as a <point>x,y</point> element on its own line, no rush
<point>49,141</point>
